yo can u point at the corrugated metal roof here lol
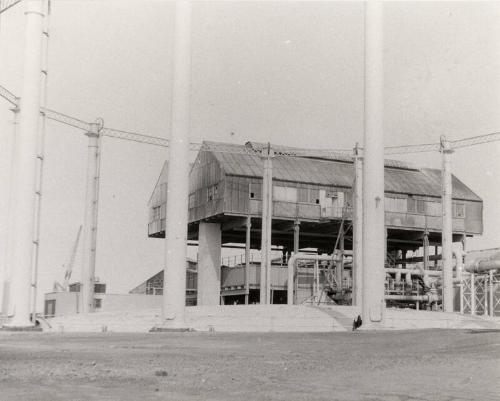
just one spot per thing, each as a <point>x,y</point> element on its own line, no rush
<point>399,177</point>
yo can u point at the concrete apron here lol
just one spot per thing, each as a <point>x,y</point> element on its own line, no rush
<point>262,319</point>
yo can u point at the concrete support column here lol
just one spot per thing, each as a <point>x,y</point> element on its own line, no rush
<point>447,233</point>
<point>373,170</point>
<point>425,245</point>
<point>90,222</point>
<point>357,241</point>
<point>22,207</point>
<point>247,258</point>
<point>209,262</point>
<point>174,283</point>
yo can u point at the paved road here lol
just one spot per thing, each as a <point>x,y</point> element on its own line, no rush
<point>391,366</point>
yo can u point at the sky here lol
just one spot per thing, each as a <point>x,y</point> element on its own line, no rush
<point>285,72</point>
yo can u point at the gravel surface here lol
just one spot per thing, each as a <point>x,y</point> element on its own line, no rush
<point>395,366</point>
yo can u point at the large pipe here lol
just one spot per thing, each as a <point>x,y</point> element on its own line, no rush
<point>174,283</point>
<point>429,297</point>
<point>447,234</point>
<point>373,169</point>
<point>483,266</point>
<point>90,220</point>
<point>357,240</point>
<point>291,270</point>
<point>267,216</point>
<point>25,162</point>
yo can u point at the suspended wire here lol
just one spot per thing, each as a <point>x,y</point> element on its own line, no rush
<point>256,148</point>
<point>6,4</point>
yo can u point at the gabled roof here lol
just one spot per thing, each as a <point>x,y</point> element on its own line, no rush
<point>400,177</point>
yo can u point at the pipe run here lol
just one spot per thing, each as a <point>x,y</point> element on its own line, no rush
<point>484,265</point>
<point>429,297</point>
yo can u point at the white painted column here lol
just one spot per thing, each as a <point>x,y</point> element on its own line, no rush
<point>447,234</point>
<point>357,241</point>
<point>174,283</point>
<point>89,222</point>
<point>209,262</point>
<point>267,216</point>
<point>25,176</point>
<point>373,170</point>
<point>6,273</point>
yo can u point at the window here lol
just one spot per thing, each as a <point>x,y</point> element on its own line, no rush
<point>284,194</point>
<point>393,204</point>
<point>97,303</point>
<point>255,190</point>
<point>459,210</point>
<point>416,205</point>
<point>308,195</point>
<point>191,200</point>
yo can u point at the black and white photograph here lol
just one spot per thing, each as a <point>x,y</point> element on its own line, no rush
<point>252,200</point>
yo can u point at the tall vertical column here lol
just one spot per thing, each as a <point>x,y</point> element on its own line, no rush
<point>6,273</point>
<point>174,283</point>
<point>357,241</point>
<point>24,175</point>
<point>491,292</point>
<point>296,236</point>
<point>267,218</point>
<point>209,262</point>
<point>425,244</point>
<point>460,273</point>
<point>247,258</point>
<point>340,264</point>
<point>447,233</point>
<point>373,169</point>
<point>90,221</point>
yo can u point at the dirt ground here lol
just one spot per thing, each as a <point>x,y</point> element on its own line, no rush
<point>394,366</point>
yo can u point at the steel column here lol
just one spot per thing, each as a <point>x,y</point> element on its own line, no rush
<point>247,258</point>
<point>267,216</point>
<point>357,266</point>
<point>174,283</point>
<point>447,233</point>
<point>90,220</point>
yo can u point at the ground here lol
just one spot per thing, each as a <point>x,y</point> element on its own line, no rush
<point>394,366</point>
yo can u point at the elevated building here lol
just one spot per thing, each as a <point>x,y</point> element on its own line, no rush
<point>312,208</point>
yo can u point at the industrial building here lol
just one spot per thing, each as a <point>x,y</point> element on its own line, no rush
<point>312,208</point>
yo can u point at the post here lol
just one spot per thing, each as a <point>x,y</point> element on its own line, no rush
<point>267,211</point>
<point>491,293</point>
<point>174,284</point>
<point>373,170</point>
<point>22,206</point>
<point>340,264</point>
<point>296,236</point>
<point>247,258</point>
<point>460,273</point>
<point>472,293</point>
<point>447,233</point>
<point>90,220</point>
<point>425,244</point>
<point>357,241</point>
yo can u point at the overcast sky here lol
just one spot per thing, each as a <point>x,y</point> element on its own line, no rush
<point>286,72</point>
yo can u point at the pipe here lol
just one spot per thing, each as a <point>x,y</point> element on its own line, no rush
<point>357,244</point>
<point>429,297</point>
<point>414,272</point>
<point>483,266</point>
<point>291,270</point>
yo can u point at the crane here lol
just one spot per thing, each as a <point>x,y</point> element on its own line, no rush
<point>69,266</point>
